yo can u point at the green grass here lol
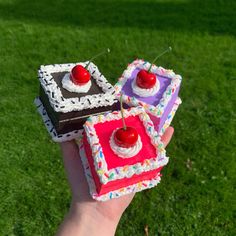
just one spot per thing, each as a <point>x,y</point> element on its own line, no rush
<point>197,192</point>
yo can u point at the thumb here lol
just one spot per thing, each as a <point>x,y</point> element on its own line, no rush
<point>166,137</point>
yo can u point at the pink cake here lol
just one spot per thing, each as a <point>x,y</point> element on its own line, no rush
<point>111,176</point>
<point>161,101</point>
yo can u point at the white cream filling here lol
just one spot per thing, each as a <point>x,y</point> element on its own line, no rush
<point>125,152</point>
<point>71,87</point>
<point>145,92</point>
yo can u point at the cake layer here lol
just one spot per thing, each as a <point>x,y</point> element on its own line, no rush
<point>168,118</point>
<point>137,187</point>
<point>50,127</point>
<point>159,121</point>
<point>115,184</point>
<point>111,173</point>
<point>74,120</point>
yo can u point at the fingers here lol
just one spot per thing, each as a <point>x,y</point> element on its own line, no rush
<point>67,144</point>
<point>166,137</point>
<point>69,149</point>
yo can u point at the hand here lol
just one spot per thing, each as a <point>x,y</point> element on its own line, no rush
<point>87,216</point>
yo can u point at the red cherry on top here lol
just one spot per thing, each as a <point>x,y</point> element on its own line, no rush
<point>126,137</point>
<point>79,75</point>
<point>145,79</point>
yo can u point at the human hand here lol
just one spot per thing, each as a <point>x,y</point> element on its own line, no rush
<point>87,216</point>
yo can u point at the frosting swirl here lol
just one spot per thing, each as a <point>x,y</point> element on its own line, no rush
<point>145,92</point>
<point>125,152</point>
<point>70,86</point>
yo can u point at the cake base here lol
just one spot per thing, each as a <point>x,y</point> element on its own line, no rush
<point>167,118</point>
<point>161,128</point>
<point>142,185</point>
<point>65,122</point>
<point>50,127</point>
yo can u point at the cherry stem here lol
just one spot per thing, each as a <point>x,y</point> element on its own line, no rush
<point>122,112</point>
<point>167,50</point>
<point>99,54</point>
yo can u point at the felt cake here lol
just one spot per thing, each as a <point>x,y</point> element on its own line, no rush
<point>111,175</point>
<point>160,101</point>
<point>64,105</point>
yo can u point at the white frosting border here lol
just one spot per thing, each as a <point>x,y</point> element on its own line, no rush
<point>51,129</point>
<point>146,184</point>
<point>160,71</point>
<point>100,164</point>
<point>125,152</point>
<point>71,87</point>
<point>62,104</point>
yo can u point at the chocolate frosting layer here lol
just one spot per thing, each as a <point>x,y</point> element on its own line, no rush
<point>94,89</point>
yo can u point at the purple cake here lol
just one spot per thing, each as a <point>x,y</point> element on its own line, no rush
<point>161,102</point>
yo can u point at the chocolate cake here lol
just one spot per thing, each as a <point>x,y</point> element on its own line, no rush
<point>67,111</point>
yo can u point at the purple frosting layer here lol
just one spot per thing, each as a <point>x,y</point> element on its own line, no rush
<point>152,100</point>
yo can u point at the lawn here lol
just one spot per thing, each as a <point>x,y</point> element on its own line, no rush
<point>197,192</point>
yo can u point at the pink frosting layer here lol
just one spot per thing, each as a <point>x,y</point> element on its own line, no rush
<point>104,132</point>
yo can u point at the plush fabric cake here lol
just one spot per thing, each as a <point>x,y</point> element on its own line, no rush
<point>65,106</point>
<point>111,174</point>
<point>161,101</point>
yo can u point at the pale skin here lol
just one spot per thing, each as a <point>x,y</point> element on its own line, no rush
<point>87,216</point>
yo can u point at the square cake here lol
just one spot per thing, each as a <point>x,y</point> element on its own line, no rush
<point>111,175</point>
<point>160,101</point>
<point>64,112</point>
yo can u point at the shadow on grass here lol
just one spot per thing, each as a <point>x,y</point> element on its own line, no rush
<point>215,17</point>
